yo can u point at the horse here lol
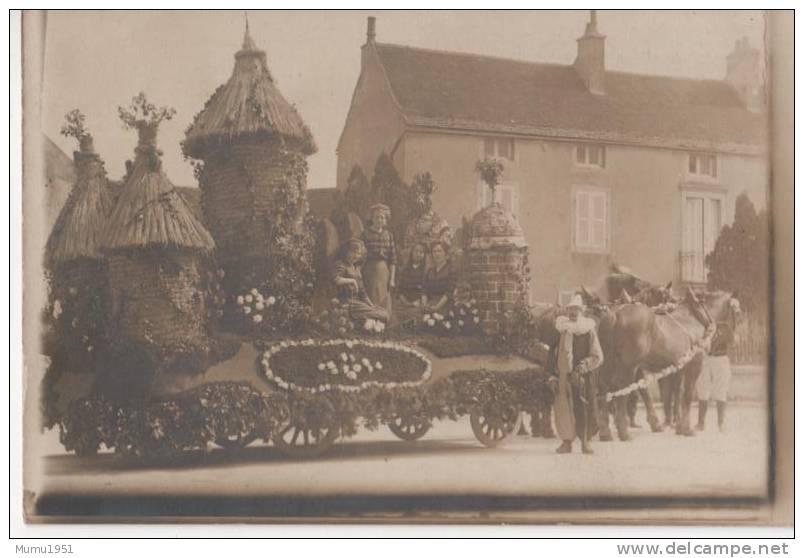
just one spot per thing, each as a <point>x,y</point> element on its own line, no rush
<point>633,290</point>
<point>635,338</point>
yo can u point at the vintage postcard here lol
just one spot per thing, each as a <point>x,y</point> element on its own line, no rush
<point>403,266</point>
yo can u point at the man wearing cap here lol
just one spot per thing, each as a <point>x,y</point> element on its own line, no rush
<point>578,357</point>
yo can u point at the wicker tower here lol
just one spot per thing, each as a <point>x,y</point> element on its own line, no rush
<point>155,247</point>
<point>72,252</point>
<point>254,145</point>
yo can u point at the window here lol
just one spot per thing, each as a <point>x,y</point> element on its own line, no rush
<point>590,155</point>
<point>702,219</point>
<point>590,220</point>
<point>507,196</point>
<point>504,148</point>
<point>703,165</point>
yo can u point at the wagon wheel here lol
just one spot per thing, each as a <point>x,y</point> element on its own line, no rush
<point>238,440</point>
<point>408,427</point>
<point>493,427</point>
<point>296,440</point>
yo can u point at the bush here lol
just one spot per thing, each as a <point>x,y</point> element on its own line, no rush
<point>742,246</point>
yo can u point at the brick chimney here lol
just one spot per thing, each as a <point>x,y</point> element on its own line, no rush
<point>371,29</point>
<point>368,50</point>
<point>744,73</point>
<point>591,60</point>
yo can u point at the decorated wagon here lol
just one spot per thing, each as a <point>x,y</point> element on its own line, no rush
<point>210,335</point>
<point>302,395</point>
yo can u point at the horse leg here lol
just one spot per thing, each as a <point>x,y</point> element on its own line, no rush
<point>546,427</point>
<point>603,410</point>
<point>650,410</point>
<point>632,409</point>
<point>686,393</point>
<point>666,391</point>
<point>621,418</point>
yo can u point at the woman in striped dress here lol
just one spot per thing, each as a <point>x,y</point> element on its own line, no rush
<point>380,267</point>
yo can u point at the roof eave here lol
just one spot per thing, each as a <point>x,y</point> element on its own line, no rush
<point>418,123</point>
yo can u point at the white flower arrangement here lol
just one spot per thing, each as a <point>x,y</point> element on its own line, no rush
<point>257,318</point>
<point>255,292</point>
<point>247,310</point>
<point>259,306</point>
<point>240,300</point>
<point>271,300</point>
<point>249,298</point>
<point>351,372</point>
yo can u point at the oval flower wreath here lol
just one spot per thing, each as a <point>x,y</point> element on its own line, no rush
<point>347,365</point>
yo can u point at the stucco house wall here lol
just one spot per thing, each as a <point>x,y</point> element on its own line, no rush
<point>374,122</point>
<point>645,201</point>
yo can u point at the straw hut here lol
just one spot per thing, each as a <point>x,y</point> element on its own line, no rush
<point>253,145</point>
<point>72,252</point>
<point>156,247</point>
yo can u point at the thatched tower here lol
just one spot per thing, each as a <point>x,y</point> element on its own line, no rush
<point>155,247</point>
<point>72,252</point>
<point>254,145</point>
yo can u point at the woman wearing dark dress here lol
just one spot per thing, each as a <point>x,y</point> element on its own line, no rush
<point>439,281</point>
<point>411,277</point>
<point>348,280</point>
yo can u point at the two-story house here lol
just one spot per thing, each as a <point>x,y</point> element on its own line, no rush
<point>600,166</point>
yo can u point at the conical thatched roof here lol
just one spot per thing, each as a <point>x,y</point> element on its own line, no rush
<point>150,211</point>
<point>78,231</point>
<point>249,105</point>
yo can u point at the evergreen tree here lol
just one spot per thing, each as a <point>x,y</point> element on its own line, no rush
<point>740,261</point>
<point>357,197</point>
<point>388,188</point>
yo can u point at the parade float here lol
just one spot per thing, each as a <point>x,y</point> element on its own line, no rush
<point>207,332</point>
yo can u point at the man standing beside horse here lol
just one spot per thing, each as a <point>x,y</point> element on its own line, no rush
<point>577,359</point>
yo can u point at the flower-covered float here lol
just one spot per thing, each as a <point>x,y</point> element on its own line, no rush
<point>302,395</point>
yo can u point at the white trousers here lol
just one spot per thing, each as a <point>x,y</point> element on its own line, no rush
<point>714,380</point>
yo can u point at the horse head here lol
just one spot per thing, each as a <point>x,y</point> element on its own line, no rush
<point>621,279</point>
<point>656,295</point>
<point>589,298</point>
<point>723,308</point>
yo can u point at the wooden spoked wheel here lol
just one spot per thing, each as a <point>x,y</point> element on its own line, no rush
<point>493,427</point>
<point>239,440</point>
<point>295,440</point>
<point>409,428</point>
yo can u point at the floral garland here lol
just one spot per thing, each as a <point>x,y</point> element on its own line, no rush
<point>699,346</point>
<point>350,366</point>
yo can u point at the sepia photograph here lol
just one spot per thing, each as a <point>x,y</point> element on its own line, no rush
<point>401,267</point>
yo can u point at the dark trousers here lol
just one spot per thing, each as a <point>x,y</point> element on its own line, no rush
<point>585,412</point>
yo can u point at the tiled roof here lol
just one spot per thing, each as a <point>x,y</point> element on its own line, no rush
<point>485,94</point>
